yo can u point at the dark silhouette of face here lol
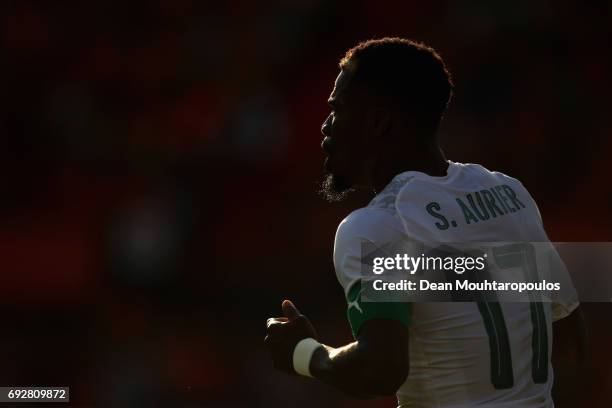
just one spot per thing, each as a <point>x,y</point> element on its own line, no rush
<point>344,136</point>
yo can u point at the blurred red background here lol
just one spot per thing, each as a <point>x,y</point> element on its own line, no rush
<point>159,163</point>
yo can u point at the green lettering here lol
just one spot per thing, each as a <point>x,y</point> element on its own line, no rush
<point>499,200</point>
<point>510,193</point>
<point>482,213</point>
<point>504,198</point>
<point>466,211</point>
<point>490,201</point>
<point>431,209</point>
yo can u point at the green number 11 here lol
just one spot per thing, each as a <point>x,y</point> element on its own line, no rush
<point>522,255</point>
<point>519,255</point>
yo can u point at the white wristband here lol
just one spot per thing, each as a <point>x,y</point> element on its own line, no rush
<point>302,354</point>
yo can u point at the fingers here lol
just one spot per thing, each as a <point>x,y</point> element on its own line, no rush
<point>283,333</point>
<point>275,320</point>
<point>289,310</point>
<point>274,326</point>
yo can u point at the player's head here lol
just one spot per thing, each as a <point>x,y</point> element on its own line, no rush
<point>390,94</point>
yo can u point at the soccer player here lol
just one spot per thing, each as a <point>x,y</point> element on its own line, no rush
<point>386,106</point>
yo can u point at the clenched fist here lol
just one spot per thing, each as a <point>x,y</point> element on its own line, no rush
<point>283,333</point>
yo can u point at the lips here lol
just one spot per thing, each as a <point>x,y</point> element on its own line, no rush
<point>327,164</point>
<point>327,145</point>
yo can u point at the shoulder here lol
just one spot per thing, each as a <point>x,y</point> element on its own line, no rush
<point>361,232</point>
<point>387,198</point>
<point>507,186</point>
<point>368,224</point>
<point>506,181</point>
<point>480,170</point>
<point>460,176</point>
<point>365,229</point>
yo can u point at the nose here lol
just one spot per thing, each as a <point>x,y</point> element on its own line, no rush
<point>326,127</point>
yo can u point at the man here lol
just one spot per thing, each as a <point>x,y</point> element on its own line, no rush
<point>386,104</point>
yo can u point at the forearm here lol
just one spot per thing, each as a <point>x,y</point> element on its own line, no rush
<point>376,364</point>
<point>355,371</point>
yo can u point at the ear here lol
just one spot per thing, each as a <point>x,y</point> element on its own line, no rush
<point>380,122</point>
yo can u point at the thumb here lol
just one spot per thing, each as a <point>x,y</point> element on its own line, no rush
<point>289,310</point>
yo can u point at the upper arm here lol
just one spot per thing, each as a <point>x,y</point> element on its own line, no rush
<point>361,234</point>
<point>363,231</point>
<point>380,328</point>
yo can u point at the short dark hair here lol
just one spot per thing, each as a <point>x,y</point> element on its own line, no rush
<point>412,74</point>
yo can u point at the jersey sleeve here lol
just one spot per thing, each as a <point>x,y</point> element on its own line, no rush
<point>565,300</point>
<point>372,228</point>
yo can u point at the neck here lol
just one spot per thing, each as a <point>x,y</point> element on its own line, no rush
<point>430,161</point>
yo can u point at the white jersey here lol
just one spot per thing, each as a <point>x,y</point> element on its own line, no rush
<point>453,354</point>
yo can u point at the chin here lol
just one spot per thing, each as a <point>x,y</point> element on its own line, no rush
<point>335,188</point>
